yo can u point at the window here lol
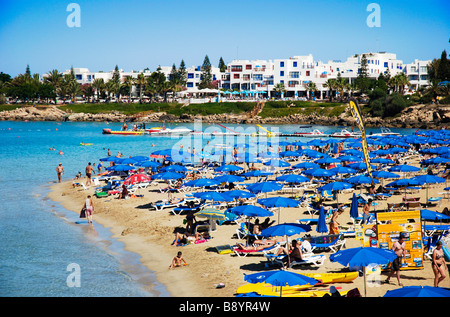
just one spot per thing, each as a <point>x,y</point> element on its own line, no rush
<point>236,76</point>
<point>294,75</point>
<point>423,69</point>
<point>248,66</point>
<point>190,75</point>
<point>307,73</point>
<point>245,76</point>
<point>281,73</point>
<point>257,76</point>
<point>190,84</point>
<point>79,76</point>
<point>281,64</point>
<point>236,68</point>
<point>386,64</point>
<point>294,64</point>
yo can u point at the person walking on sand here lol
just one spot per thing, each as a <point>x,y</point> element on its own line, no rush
<point>399,248</point>
<point>89,208</point>
<point>89,171</point>
<point>177,261</point>
<point>59,172</point>
<point>438,264</point>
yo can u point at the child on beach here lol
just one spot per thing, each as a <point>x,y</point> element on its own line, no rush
<point>177,261</point>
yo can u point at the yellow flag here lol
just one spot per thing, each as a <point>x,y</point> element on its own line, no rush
<point>359,121</point>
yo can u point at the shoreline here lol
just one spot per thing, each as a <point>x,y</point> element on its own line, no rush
<point>417,116</point>
<point>149,234</point>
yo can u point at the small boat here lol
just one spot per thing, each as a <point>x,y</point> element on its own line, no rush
<point>315,132</point>
<point>155,130</point>
<point>385,132</point>
<point>127,132</point>
<point>345,134</point>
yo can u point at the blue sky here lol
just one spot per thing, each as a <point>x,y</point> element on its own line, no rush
<point>135,34</point>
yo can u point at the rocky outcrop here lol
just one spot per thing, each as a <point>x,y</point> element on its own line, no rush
<point>418,116</point>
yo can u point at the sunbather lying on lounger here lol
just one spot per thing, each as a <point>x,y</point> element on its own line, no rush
<point>186,237</point>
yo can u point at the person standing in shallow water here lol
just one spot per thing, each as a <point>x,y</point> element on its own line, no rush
<point>89,208</point>
<point>59,172</point>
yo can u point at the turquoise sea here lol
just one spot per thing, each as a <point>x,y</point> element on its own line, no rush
<point>41,241</point>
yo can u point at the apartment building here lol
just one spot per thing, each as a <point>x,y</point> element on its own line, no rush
<point>294,73</point>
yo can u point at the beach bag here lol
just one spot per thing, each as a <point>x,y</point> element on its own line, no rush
<point>83,212</point>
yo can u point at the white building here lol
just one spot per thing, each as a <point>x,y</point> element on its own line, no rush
<point>295,73</point>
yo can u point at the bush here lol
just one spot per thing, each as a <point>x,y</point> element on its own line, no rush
<point>394,104</point>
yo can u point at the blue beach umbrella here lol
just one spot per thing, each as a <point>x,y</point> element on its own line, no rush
<point>289,154</point>
<point>128,161</point>
<point>292,178</point>
<point>201,182</point>
<point>214,196</point>
<point>327,160</point>
<point>168,175</point>
<point>342,170</point>
<point>251,211</point>
<point>318,172</point>
<point>148,164</point>
<point>360,166</point>
<point>354,213</point>
<point>361,179</point>
<point>384,174</point>
<point>228,168</point>
<point>363,257</point>
<point>427,214</point>
<point>285,229</point>
<point>404,168</point>
<point>280,278</point>
<point>111,159</point>
<point>237,193</point>
<point>140,158</point>
<point>321,224</point>
<point>264,187</point>
<point>277,163</point>
<point>173,168</point>
<point>418,291</point>
<point>306,165</point>
<point>256,173</point>
<point>120,168</point>
<point>229,178</point>
<point>380,160</point>
<point>278,202</point>
<point>349,158</point>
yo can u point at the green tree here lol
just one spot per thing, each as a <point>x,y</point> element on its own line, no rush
<point>182,74</point>
<point>222,65</point>
<point>311,88</point>
<point>206,76</point>
<point>99,85</point>
<point>363,81</point>
<point>443,69</point>
<point>54,78</point>
<point>129,83</point>
<point>279,89</point>
<point>141,82</point>
<point>331,85</point>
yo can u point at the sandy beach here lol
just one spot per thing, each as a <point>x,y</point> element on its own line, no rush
<point>150,233</point>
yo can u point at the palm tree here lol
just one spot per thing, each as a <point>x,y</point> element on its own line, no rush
<point>74,89</point>
<point>54,78</point>
<point>311,87</point>
<point>129,83</point>
<point>402,82</point>
<point>99,85</point>
<point>113,88</point>
<point>141,82</point>
<point>88,91</point>
<point>331,85</point>
<point>279,89</point>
